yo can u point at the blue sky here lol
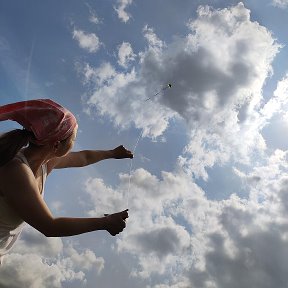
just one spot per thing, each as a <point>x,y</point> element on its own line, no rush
<point>208,188</point>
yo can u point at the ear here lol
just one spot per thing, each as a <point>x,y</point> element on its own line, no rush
<point>56,146</point>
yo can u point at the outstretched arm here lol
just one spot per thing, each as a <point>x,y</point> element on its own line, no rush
<point>93,156</point>
<point>88,157</point>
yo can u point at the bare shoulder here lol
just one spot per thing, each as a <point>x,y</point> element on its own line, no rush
<point>20,189</point>
<point>13,175</point>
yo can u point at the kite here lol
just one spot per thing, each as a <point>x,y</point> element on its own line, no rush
<point>164,88</point>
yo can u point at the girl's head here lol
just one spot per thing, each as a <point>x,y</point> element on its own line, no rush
<point>61,148</point>
<point>48,120</point>
<point>45,123</point>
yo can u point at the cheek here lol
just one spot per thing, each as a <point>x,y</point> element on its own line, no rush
<point>67,147</point>
<point>71,144</point>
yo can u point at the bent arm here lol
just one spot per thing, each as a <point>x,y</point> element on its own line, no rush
<point>23,196</point>
<point>113,223</point>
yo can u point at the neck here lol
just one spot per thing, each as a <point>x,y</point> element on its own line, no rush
<point>37,156</point>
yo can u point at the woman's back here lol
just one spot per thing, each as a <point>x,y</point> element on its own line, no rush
<point>11,223</point>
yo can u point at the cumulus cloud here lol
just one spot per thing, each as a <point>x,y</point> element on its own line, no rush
<point>121,96</point>
<point>33,242</point>
<point>161,241</point>
<point>125,112</point>
<point>238,253</point>
<point>175,231</point>
<point>104,198</point>
<point>155,238</point>
<point>123,15</point>
<point>100,76</point>
<point>52,262</point>
<point>30,271</point>
<point>85,260</point>
<point>155,44</point>
<point>278,103</point>
<point>253,234</point>
<point>125,54</point>
<point>226,87</point>
<point>217,70</point>
<point>87,41</point>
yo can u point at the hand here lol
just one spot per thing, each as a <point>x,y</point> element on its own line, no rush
<point>120,152</point>
<point>115,223</point>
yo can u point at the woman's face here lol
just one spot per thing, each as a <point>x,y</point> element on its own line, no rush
<point>67,144</point>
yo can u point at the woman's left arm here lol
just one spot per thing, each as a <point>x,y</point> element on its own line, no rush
<point>94,156</point>
<point>87,157</point>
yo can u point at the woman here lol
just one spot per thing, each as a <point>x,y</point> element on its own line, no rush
<point>50,130</point>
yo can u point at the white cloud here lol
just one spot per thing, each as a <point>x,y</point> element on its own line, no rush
<point>102,75</point>
<point>225,87</point>
<point>183,284</point>
<point>253,234</point>
<point>125,54</point>
<point>217,70</point>
<point>155,238</point>
<point>120,9</point>
<point>33,242</point>
<point>93,18</point>
<point>104,199</point>
<point>17,272</point>
<point>155,44</point>
<point>121,98</point>
<point>89,42</point>
<point>85,260</point>
<point>278,103</point>
<point>280,3</point>
<point>175,231</point>
<point>53,263</point>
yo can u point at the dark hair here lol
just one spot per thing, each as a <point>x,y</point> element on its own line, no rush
<point>11,142</point>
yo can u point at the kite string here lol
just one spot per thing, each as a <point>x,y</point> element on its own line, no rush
<point>138,139</point>
<point>131,164</point>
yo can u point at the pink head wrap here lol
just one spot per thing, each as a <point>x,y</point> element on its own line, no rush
<point>47,120</point>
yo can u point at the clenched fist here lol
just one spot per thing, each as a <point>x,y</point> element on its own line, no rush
<point>120,152</point>
<point>115,223</point>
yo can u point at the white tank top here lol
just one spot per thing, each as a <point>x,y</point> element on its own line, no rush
<point>11,224</point>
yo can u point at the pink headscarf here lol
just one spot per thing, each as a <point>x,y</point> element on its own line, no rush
<point>47,120</point>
